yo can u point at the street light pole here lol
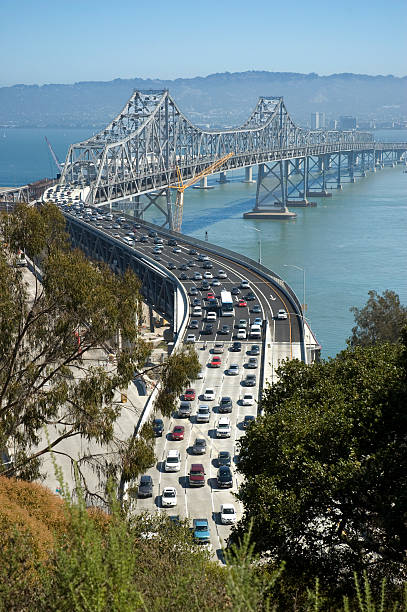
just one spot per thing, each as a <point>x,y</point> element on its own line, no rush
<point>303,286</point>
<point>257,230</point>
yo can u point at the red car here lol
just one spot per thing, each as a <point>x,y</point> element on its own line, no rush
<point>210,295</point>
<point>178,432</point>
<point>189,395</point>
<point>242,302</point>
<point>216,362</point>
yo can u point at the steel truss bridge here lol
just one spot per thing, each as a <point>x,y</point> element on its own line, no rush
<point>139,151</point>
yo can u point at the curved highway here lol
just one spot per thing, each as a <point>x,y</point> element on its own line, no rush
<point>185,261</point>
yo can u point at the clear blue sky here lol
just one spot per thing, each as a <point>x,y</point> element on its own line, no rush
<point>54,41</point>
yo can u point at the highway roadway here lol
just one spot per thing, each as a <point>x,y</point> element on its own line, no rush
<point>204,502</point>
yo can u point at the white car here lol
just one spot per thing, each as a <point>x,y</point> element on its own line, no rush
<point>201,374</point>
<point>173,461</point>
<point>223,429</point>
<point>248,399</point>
<point>169,497</point>
<point>281,314</point>
<point>222,274</point>
<point>197,276</point>
<point>209,395</point>
<point>197,311</point>
<point>208,275</point>
<point>211,316</point>
<point>176,250</point>
<point>244,284</point>
<point>227,514</point>
<point>233,369</point>
<point>242,324</point>
<point>190,339</point>
<point>241,334</point>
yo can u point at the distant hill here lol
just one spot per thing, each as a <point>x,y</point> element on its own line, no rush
<point>215,100</point>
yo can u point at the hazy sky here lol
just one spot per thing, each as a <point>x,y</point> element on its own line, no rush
<point>44,41</point>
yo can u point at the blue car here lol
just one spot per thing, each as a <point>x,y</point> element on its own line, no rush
<point>201,531</point>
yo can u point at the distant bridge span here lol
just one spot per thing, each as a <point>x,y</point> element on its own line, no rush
<point>139,151</point>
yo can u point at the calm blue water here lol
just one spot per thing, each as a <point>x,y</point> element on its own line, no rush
<point>350,243</point>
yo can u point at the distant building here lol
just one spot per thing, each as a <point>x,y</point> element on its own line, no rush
<point>317,121</point>
<point>333,124</point>
<point>347,123</point>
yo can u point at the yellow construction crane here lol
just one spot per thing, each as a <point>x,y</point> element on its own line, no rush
<point>179,201</point>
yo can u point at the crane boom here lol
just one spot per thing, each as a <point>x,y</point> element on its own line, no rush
<point>179,201</point>
<point>54,157</point>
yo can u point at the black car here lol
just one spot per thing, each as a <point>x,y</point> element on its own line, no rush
<point>143,238</point>
<point>158,427</point>
<point>207,265</point>
<point>152,234</point>
<point>171,266</point>
<point>256,308</point>
<point>172,242</point>
<point>250,380</point>
<point>235,291</point>
<point>255,349</point>
<point>194,324</point>
<point>193,252</point>
<point>224,458</point>
<point>248,420</point>
<point>207,329</point>
<point>225,329</point>
<point>193,291</point>
<point>250,297</point>
<point>225,404</point>
<point>183,276</point>
<point>191,263</point>
<point>236,347</point>
<point>205,285</point>
<point>196,302</point>
<point>212,302</point>
<point>145,488</point>
<point>137,226</point>
<point>158,240</point>
<point>224,477</point>
<point>183,267</point>
<point>199,447</point>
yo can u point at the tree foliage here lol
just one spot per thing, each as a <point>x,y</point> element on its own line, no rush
<point>326,466</point>
<point>380,320</point>
<point>49,335</point>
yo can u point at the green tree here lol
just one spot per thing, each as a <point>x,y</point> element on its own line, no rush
<point>326,466</point>
<point>48,334</point>
<point>380,320</point>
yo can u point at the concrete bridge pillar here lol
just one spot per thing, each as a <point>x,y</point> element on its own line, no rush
<point>248,178</point>
<point>203,183</point>
<point>222,178</point>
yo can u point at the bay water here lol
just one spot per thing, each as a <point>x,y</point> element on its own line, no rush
<point>348,244</point>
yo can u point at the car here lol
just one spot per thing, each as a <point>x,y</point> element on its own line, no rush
<point>241,334</point>
<point>200,531</point>
<point>248,399</point>
<point>158,257</point>
<point>211,316</point>
<point>235,291</point>
<point>197,311</point>
<point>257,321</point>
<point>224,458</point>
<point>193,324</point>
<point>227,514</point>
<point>184,410</point>
<point>209,394</point>
<point>172,242</point>
<point>212,303</point>
<point>244,284</point>
<point>218,348</point>
<point>193,291</point>
<point>223,429</point>
<point>255,331</point>
<point>183,276</point>
<point>158,240</point>
<point>178,432</point>
<point>143,238</point>
<point>190,339</point>
<point>241,303</point>
<point>136,226</point>
<point>192,252</point>
<point>183,267</point>
<point>207,330</point>
<point>224,477</point>
<point>158,427</point>
<point>215,283</point>
<point>208,275</point>
<point>196,302</point>
<point>199,446</point>
<point>254,349</point>
<point>252,363</point>
<point>197,276</point>
<point>205,285</point>
<point>248,420</point>
<point>222,274</point>
<point>196,476</point>
<point>207,265</point>
<point>176,249</point>
<point>171,266</point>
<point>210,295</point>
<point>233,369</point>
<point>189,395</point>
<point>201,374</point>
<point>173,461</point>
<point>225,404</point>
<point>250,380</point>
<point>202,257</point>
<point>151,233</point>
<point>236,347</point>
<point>145,488</point>
<point>203,414</point>
<point>281,315</point>
<point>242,324</point>
<point>216,362</point>
<point>256,308</point>
<point>224,330</point>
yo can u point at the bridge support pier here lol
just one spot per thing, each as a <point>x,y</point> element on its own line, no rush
<point>203,184</point>
<point>223,178</point>
<point>297,182</point>
<point>248,175</point>
<point>271,194</point>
